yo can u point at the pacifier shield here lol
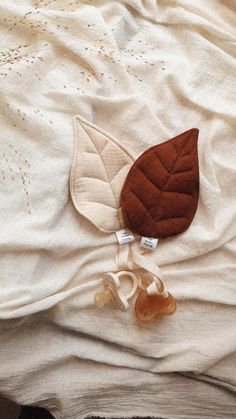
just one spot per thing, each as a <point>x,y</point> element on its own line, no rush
<point>149,307</point>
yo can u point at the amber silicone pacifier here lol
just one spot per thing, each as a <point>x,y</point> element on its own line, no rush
<point>154,302</point>
<point>114,291</point>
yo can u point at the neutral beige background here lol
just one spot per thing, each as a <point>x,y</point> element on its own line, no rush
<point>142,71</point>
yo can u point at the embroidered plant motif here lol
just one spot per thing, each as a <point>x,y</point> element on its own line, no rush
<point>15,168</point>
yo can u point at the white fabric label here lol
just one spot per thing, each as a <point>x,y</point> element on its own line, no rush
<point>124,236</point>
<point>148,243</point>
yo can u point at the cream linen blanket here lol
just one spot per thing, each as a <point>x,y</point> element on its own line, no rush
<point>141,71</point>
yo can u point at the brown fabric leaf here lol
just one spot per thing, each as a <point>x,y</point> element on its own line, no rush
<point>160,194</point>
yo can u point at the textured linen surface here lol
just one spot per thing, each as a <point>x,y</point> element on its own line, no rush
<point>143,72</point>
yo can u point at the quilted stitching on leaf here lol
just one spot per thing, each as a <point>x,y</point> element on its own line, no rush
<point>98,172</point>
<point>160,194</point>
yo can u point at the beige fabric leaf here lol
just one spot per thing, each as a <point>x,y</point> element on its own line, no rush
<point>99,169</point>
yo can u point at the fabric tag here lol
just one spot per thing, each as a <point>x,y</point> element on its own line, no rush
<point>148,243</point>
<point>124,236</point>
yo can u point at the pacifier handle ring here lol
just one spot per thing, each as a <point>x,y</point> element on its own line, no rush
<point>135,282</point>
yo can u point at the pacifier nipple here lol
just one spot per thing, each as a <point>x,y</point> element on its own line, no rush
<point>102,298</point>
<point>153,302</point>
